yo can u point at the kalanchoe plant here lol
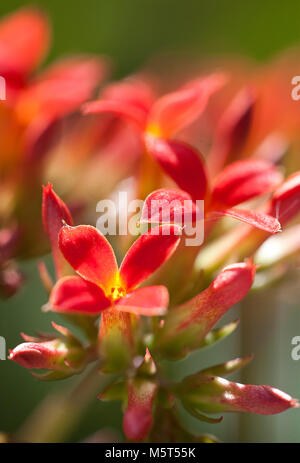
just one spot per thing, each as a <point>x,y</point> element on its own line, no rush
<point>104,300</point>
<point>137,305</point>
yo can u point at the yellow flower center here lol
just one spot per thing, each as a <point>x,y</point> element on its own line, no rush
<point>154,130</point>
<point>117,292</point>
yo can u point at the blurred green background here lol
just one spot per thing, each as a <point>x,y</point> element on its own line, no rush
<point>131,32</point>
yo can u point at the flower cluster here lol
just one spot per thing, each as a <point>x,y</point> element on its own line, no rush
<point>130,328</point>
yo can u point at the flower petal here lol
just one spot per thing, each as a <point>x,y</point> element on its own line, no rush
<point>130,99</point>
<point>259,220</point>
<point>74,295</point>
<point>232,130</point>
<point>119,108</point>
<point>286,199</point>
<point>169,206</point>
<point>89,253</point>
<point>62,88</point>
<point>243,180</point>
<point>24,39</point>
<point>149,301</point>
<point>182,162</point>
<point>174,111</point>
<point>54,212</point>
<point>148,253</point>
<point>136,91</point>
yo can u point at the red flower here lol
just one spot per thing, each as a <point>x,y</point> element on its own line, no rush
<point>159,120</point>
<point>34,103</point>
<point>237,183</point>
<point>169,114</point>
<point>101,284</point>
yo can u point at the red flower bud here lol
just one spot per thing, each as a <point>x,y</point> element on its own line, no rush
<point>64,356</point>
<point>41,355</point>
<point>212,394</point>
<point>138,419</point>
<point>187,325</point>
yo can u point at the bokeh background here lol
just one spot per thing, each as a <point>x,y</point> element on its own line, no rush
<point>131,32</point>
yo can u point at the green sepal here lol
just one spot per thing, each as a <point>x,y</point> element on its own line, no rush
<point>195,413</point>
<point>218,334</point>
<point>226,368</point>
<point>54,375</point>
<point>115,391</point>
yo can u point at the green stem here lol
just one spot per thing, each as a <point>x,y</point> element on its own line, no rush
<point>57,416</point>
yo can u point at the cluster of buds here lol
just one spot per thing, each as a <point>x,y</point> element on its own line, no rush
<point>131,329</point>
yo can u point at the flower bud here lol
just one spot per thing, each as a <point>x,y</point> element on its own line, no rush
<point>187,325</point>
<point>138,419</point>
<point>213,394</point>
<point>38,355</point>
<point>53,354</point>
